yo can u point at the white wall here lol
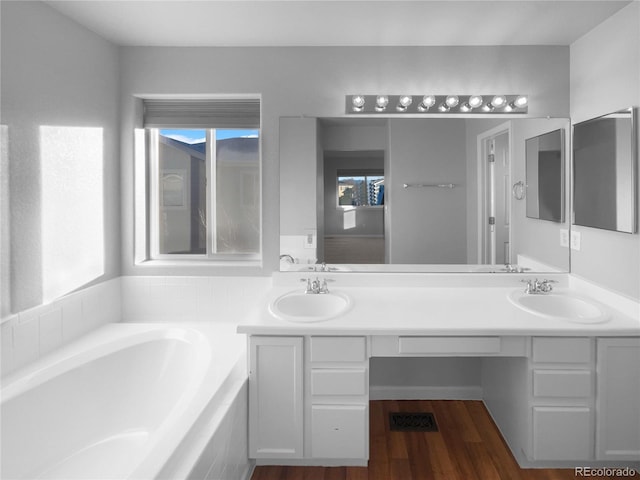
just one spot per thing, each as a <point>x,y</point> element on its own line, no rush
<point>55,73</point>
<point>308,81</point>
<point>605,77</point>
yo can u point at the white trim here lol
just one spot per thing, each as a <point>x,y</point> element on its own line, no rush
<point>505,127</point>
<point>154,195</point>
<point>387,392</point>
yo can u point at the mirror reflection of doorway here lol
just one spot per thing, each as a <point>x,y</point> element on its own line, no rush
<point>494,188</point>
<point>354,207</point>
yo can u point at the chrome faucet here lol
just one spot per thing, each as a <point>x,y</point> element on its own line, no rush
<point>315,286</point>
<point>287,257</point>
<point>536,286</point>
<point>510,268</point>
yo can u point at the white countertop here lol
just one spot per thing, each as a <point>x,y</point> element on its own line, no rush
<point>430,310</point>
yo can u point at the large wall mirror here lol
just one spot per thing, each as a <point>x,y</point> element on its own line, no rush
<point>413,194</point>
<point>605,179</point>
<point>545,163</point>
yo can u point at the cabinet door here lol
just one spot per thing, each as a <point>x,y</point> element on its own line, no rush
<point>562,433</point>
<point>339,431</point>
<point>618,399</point>
<point>275,397</point>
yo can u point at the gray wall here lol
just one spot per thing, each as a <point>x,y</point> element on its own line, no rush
<point>427,225</point>
<point>298,183</point>
<point>54,73</point>
<point>611,83</point>
<point>538,239</point>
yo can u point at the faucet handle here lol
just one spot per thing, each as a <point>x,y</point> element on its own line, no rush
<point>531,285</point>
<point>324,288</point>
<point>309,288</point>
<point>546,287</point>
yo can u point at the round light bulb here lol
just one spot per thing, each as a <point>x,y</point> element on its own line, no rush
<point>521,101</point>
<point>429,101</point>
<point>475,101</point>
<point>382,101</point>
<point>358,101</point>
<point>499,101</point>
<point>451,100</point>
<point>465,108</point>
<point>405,100</point>
<point>444,107</point>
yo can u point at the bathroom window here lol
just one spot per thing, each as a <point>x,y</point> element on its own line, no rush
<point>360,189</point>
<point>203,180</point>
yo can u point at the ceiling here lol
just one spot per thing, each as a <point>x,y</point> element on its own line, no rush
<point>339,22</point>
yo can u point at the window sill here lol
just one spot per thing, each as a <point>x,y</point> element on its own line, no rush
<point>204,263</point>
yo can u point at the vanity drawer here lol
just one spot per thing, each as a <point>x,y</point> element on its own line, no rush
<point>449,345</point>
<point>562,350</point>
<point>345,381</point>
<point>562,383</point>
<point>338,349</point>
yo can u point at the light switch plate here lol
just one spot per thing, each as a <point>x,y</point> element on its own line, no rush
<point>576,240</point>
<point>310,238</point>
<point>564,237</point>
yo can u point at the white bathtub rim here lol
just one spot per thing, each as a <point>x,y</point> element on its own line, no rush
<point>101,342</point>
<point>92,346</point>
<point>207,392</point>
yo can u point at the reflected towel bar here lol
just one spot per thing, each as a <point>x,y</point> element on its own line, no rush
<point>436,185</point>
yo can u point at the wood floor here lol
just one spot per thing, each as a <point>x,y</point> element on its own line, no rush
<point>467,446</point>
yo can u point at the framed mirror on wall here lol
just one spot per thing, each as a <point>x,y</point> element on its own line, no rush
<point>446,202</point>
<point>545,167</point>
<point>605,168</point>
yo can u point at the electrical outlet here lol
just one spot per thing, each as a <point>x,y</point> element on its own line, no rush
<point>564,237</point>
<point>576,240</point>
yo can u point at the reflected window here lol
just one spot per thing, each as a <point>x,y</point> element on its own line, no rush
<point>360,190</point>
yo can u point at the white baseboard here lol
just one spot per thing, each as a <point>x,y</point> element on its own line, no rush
<point>387,392</point>
<point>249,471</point>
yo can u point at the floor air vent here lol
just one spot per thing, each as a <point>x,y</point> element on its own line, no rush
<point>412,422</point>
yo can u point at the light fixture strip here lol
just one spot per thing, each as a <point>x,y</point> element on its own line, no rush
<point>436,104</point>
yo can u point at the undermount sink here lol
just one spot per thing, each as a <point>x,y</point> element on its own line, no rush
<point>562,306</point>
<point>309,307</point>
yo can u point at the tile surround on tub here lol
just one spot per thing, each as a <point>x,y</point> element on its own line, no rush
<point>31,334</point>
<point>223,299</point>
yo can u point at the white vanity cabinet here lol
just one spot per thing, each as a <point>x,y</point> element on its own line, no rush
<point>559,401</point>
<point>276,397</point>
<point>338,406</point>
<point>618,399</point>
<point>309,400</point>
<point>562,411</point>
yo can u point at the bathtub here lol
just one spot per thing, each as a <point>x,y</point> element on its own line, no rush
<point>120,403</point>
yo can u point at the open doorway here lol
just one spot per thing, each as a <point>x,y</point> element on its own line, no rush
<point>354,207</point>
<point>494,200</point>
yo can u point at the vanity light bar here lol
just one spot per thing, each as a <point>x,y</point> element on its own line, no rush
<point>449,104</point>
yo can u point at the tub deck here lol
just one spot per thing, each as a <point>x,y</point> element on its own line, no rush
<point>119,402</point>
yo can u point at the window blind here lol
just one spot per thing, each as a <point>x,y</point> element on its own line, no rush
<point>207,113</point>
